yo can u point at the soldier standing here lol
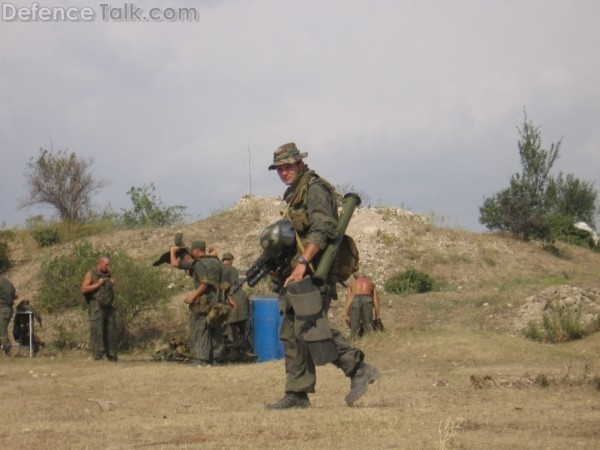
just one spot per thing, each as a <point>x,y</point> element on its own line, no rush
<point>238,318</point>
<point>8,295</point>
<point>312,209</point>
<point>98,290</point>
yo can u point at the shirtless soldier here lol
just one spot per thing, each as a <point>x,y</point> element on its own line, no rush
<point>361,300</point>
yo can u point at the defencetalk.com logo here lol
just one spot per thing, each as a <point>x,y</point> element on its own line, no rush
<point>128,12</point>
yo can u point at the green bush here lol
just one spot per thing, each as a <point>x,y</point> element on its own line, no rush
<point>149,210</point>
<point>65,339</point>
<point>409,282</point>
<point>557,326</point>
<point>5,235</point>
<point>562,326</point>
<point>139,287</point>
<point>4,259</point>
<point>62,276</point>
<point>46,237</point>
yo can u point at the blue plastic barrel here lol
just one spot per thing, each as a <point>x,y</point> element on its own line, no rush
<point>265,323</point>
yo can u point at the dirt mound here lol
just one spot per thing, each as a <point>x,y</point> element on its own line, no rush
<point>584,303</point>
<point>470,269</point>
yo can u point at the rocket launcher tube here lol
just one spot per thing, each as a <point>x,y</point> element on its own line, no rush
<point>351,201</point>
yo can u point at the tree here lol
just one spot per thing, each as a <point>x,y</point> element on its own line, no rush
<point>62,180</point>
<point>536,204</point>
<point>148,209</point>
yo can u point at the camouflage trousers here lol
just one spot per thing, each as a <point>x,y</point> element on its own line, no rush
<point>6,313</point>
<point>206,343</point>
<point>299,366</point>
<point>103,330</point>
<point>361,313</point>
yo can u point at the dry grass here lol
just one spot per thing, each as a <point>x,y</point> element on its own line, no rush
<point>444,387</point>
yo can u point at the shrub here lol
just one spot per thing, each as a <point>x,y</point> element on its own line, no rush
<point>409,281</point>
<point>557,326</point>
<point>65,339</point>
<point>62,276</point>
<point>533,332</point>
<point>4,259</point>
<point>149,210</point>
<point>5,235</point>
<point>46,237</point>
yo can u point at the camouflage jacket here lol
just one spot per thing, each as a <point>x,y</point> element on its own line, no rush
<point>207,270</point>
<point>312,209</point>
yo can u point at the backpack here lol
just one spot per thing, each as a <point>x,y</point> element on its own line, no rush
<point>346,261</point>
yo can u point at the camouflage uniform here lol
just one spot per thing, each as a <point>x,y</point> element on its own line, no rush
<point>238,318</point>
<point>206,344</point>
<point>314,216</point>
<point>8,294</point>
<point>361,314</point>
<point>104,335</point>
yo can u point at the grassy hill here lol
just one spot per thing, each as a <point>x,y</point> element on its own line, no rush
<point>456,369</point>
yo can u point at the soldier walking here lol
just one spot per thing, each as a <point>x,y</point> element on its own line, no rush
<point>312,210</point>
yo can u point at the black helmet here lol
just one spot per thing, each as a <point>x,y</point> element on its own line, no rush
<point>277,236</point>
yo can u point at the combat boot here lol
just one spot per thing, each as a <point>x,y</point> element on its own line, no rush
<point>363,376</point>
<point>291,400</point>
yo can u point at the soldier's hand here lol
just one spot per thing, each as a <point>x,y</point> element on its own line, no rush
<point>189,299</point>
<point>297,274</point>
<point>231,303</point>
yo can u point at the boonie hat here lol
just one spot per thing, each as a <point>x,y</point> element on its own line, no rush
<point>198,244</point>
<point>227,256</point>
<point>286,154</point>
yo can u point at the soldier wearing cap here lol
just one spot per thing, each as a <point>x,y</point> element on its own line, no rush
<point>312,209</point>
<point>237,322</point>
<point>206,343</point>
<point>8,295</point>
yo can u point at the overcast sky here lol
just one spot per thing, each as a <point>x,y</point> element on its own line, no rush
<point>415,103</point>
